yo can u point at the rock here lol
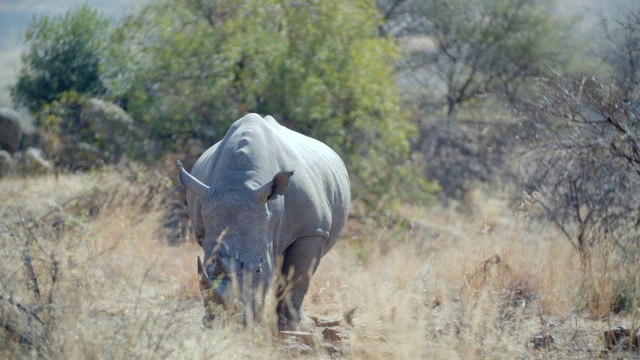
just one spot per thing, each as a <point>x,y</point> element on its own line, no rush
<point>618,339</point>
<point>98,112</point>
<point>112,127</point>
<point>81,156</point>
<point>324,323</point>
<point>11,125</point>
<point>331,335</point>
<point>6,163</point>
<point>33,162</point>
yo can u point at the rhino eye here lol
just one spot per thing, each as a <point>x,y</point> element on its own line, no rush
<point>199,240</point>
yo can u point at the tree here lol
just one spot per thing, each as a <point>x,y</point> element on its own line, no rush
<point>189,69</point>
<point>480,47</point>
<point>589,164</point>
<point>63,54</point>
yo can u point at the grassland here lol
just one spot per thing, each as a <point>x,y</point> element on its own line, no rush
<point>86,272</point>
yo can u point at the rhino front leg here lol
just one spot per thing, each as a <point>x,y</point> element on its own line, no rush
<point>300,262</point>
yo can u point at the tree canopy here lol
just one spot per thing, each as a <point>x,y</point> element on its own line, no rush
<point>189,69</point>
<point>481,47</point>
<point>63,54</point>
<point>589,160</point>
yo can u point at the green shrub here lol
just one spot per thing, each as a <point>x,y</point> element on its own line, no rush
<point>63,54</point>
<point>189,69</point>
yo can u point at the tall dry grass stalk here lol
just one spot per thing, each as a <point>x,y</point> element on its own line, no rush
<point>86,273</point>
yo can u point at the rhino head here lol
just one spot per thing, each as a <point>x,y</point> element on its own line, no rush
<point>238,241</point>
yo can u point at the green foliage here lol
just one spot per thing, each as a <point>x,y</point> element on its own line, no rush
<point>63,53</point>
<point>59,122</point>
<point>58,118</point>
<point>189,69</point>
<point>492,46</point>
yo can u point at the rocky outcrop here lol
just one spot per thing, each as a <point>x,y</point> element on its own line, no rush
<point>112,128</point>
<point>34,162</point>
<point>11,125</point>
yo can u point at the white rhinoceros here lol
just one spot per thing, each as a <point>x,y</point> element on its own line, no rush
<point>265,201</point>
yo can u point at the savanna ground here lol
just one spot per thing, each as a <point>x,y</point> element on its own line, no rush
<point>87,272</point>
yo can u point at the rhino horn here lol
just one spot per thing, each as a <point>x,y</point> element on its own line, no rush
<point>203,278</point>
<point>192,184</point>
<point>275,187</point>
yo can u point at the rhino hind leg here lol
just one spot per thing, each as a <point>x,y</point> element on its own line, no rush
<point>300,262</point>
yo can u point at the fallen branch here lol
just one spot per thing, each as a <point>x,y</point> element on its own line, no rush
<point>347,317</point>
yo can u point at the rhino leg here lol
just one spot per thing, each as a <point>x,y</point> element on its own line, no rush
<point>300,262</point>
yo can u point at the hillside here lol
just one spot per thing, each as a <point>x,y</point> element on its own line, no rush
<point>474,281</point>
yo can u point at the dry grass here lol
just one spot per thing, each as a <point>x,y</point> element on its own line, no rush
<point>473,281</point>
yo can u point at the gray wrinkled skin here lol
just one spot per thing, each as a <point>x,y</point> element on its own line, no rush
<point>265,201</point>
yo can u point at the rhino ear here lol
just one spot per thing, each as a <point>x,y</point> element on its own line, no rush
<point>275,187</point>
<point>192,184</point>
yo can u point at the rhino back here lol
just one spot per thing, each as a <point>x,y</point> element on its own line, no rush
<point>321,188</point>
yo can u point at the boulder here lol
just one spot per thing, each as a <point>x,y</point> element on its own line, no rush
<point>112,127</point>
<point>34,162</point>
<point>6,163</point>
<point>99,112</point>
<point>11,125</point>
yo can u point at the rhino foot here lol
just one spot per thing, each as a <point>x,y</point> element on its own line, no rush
<point>300,322</point>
